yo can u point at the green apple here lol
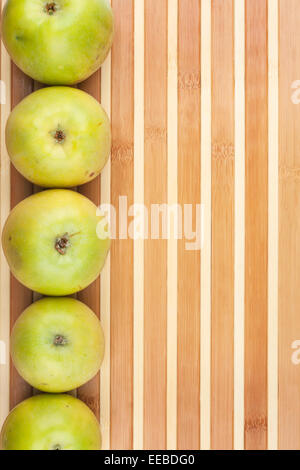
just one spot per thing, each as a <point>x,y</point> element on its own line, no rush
<point>59,42</point>
<point>55,243</point>
<point>58,137</point>
<point>51,422</point>
<point>57,344</point>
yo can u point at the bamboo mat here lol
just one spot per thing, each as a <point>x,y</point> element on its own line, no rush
<point>202,345</point>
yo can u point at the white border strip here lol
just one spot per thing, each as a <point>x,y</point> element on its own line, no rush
<point>239,270</point>
<point>4,211</point>
<point>273,227</point>
<point>206,201</point>
<point>172,242</point>
<point>105,275</point>
<point>138,333</point>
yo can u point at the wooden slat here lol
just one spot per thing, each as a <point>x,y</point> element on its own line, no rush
<point>222,224</point>
<point>90,392</point>
<point>205,326</point>
<point>188,380</point>
<point>289,229</point>
<point>139,134</point>
<point>239,236</point>
<point>105,275</point>
<point>20,296</point>
<point>256,243</point>
<point>4,211</point>
<point>273,39</point>
<point>172,248</point>
<point>122,177</point>
<point>155,250</point>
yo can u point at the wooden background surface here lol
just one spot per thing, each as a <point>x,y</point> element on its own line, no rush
<point>205,109</point>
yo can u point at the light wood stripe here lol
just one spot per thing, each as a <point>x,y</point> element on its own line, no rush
<point>155,326</point>
<point>223,156</point>
<point>138,392</point>
<point>189,183</point>
<point>121,260</point>
<point>206,201</point>
<point>239,236</point>
<point>20,188</point>
<point>105,275</point>
<point>256,225</point>
<point>273,228</point>
<point>4,211</point>
<point>289,228</point>
<point>172,242</point>
<point>90,392</point>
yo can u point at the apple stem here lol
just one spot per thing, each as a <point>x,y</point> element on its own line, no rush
<point>59,136</point>
<point>51,8</point>
<point>60,340</point>
<point>56,447</point>
<point>62,244</point>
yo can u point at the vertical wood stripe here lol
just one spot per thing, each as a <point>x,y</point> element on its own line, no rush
<point>239,236</point>
<point>222,193</point>
<point>256,225</point>
<point>20,296</point>
<point>172,241</point>
<point>155,171</point>
<point>273,228</point>
<point>289,230</point>
<point>4,210</point>
<point>206,201</point>
<point>122,184</point>
<point>138,397</point>
<point>189,182</point>
<point>90,392</point>
<point>105,275</point>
